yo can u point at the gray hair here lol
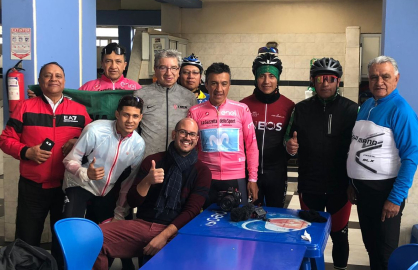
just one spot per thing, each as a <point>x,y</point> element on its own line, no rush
<point>383,59</point>
<point>167,54</point>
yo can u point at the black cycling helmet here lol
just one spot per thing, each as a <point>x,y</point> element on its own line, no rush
<point>326,66</point>
<point>194,61</point>
<point>267,59</point>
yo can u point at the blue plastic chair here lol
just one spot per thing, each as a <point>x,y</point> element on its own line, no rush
<point>81,240</point>
<point>403,257</point>
<point>414,266</point>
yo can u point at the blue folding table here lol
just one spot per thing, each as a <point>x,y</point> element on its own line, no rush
<point>209,253</point>
<point>285,227</point>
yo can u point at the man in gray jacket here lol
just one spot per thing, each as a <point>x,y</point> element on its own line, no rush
<point>165,102</point>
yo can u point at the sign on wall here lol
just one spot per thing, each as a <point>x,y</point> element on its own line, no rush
<point>20,47</point>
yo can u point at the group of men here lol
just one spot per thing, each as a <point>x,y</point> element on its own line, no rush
<point>223,143</point>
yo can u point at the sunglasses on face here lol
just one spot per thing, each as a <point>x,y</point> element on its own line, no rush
<point>328,78</point>
<point>117,50</point>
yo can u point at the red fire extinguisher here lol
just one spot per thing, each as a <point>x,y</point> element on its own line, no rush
<point>15,86</point>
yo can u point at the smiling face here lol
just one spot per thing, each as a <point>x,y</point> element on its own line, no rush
<point>267,82</point>
<point>113,66</point>
<point>326,89</point>
<point>218,87</point>
<point>52,81</point>
<point>127,119</point>
<point>382,79</point>
<point>185,136</point>
<point>190,77</point>
<point>166,72</point>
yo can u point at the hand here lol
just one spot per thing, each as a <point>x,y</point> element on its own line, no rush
<point>68,146</point>
<point>351,194</point>
<point>95,173</point>
<point>155,176</point>
<point>35,153</point>
<point>31,94</point>
<point>155,245</point>
<point>252,188</point>
<point>389,210</point>
<point>292,145</point>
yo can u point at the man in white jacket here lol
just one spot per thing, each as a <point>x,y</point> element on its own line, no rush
<point>110,147</point>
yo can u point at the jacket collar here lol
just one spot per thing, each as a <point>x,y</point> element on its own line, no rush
<point>388,97</point>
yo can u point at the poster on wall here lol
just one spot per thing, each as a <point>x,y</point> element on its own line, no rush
<point>21,43</point>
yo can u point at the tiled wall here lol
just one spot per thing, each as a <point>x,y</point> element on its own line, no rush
<point>295,51</point>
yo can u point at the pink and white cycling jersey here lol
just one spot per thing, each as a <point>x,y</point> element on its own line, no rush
<point>224,132</point>
<point>104,84</point>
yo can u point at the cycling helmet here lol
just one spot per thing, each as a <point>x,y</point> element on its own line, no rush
<point>192,60</point>
<point>326,66</point>
<point>267,59</point>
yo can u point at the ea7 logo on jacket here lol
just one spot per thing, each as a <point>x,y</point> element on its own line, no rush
<point>70,119</point>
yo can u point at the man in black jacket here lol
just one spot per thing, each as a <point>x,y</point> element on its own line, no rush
<point>320,132</point>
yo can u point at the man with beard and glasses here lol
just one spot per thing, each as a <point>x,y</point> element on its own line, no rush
<point>169,191</point>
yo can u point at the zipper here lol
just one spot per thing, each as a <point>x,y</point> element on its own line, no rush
<point>217,136</point>
<point>262,146</point>
<point>113,85</point>
<point>375,104</point>
<point>113,166</point>
<point>329,124</point>
<point>166,102</point>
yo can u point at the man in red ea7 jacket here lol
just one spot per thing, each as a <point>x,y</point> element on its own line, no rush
<point>51,116</point>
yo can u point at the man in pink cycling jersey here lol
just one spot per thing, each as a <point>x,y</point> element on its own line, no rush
<point>113,65</point>
<point>227,137</point>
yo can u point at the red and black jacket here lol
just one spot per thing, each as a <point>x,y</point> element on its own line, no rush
<point>30,123</point>
<point>270,122</point>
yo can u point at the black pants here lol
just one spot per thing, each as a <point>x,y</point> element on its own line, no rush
<point>380,238</point>
<point>223,185</point>
<point>272,187</point>
<point>33,206</point>
<point>340,208</point>
<point>78,200</point>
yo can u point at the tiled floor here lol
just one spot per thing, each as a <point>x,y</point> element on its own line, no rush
<point>358,259</point>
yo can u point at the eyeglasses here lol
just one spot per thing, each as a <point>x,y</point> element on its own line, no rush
<point>328,78</point>
<point>268,50</point>
<point>184,133</point>
<point>117,50</point>
<point>165,68</point>
<point>131,98</point>
<point>187,73</point>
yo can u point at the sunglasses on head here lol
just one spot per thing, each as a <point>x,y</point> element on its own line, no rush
<point>129,98</point>
<point>117,50</point>
<point>328,78</point>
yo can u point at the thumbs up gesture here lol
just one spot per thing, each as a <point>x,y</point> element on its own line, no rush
<point>155,176</point>
<point>292,145</point>
<point>95,173</point>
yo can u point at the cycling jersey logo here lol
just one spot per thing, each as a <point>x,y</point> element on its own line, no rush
<point>368,144</point>
<point>254,114</point>
<point>220,140</point>
<point>229,113</point>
